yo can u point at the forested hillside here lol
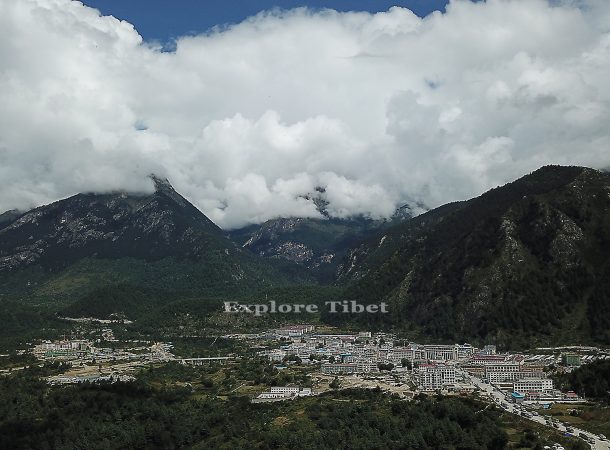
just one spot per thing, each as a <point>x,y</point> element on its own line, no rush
<point>529,259</point>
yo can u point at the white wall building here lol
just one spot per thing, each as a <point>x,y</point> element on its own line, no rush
<point>526,385</point>
<point>281,392</point>
<point>432,376</point>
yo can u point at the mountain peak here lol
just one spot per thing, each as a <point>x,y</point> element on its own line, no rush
<point>161,183</point>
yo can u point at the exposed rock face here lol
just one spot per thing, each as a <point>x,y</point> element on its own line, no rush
<point>109,225</point>
<point>318,244</point>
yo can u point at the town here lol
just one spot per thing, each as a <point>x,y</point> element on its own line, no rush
<point>519,383</point>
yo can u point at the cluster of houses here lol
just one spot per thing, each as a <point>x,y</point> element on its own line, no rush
<point>432,367</point>
<point>78,349</point>
<point>512,374</point>
<point>65,348</point>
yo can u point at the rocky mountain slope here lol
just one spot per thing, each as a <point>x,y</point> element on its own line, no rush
<point>317,244</point>
<point>109,226</point>
<point>8,217</point>
<point>529,258</point>
<point>157,239</point>
<point>522,262</point>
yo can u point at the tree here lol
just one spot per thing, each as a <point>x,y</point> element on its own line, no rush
<point>406,363</point>
<point>385,366</point>
<point>335,384</point>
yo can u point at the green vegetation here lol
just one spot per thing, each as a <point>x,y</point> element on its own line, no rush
<point>522,264</point>
<point>525,434</point>
<point>591,381</point>
<point>145,415</point>
<point>22,323</point>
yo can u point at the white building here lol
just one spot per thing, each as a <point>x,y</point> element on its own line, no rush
<point>281,392</point>
<point>339,368</point>
<point>449,352</point>
<point>274,355</point>
<point>295,330</point>
<point>364,365</point>
<point>503,372</point>
<point>510,372</point>
<point>540,385</point>
<point>433,376</point>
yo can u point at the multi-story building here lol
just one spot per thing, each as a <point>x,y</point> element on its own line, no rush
<point>509,372</point>
<point>206,361</point>
<point>340,368</point>
<point>449,352</point>
<point>66,348</point>
<point>528,385</point>
<point>399,353</point>
<point>295,330</point>
<point>502,372</point>
<point>280,392</point>
<point>435,376</point>
<point>364,365</point>
<point>274,355</point>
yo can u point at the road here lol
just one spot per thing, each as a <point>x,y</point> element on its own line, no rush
<point>499,397</point>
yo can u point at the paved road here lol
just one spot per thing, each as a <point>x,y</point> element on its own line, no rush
<point>499,396</point>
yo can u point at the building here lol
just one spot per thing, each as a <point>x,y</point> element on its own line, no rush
<point>507,373</point>
<point>336,369</point>
<point>282,392</point>
<point>517,397</point>
<point>435,376</point>
<point>488,350</point>
<point>364,365</point>
<point>449,352</point>
<point>441,352</point>
<point>527,385</point>
<point>274,355</point>
<point>295,330</point>
<point>481,359</point>
<point>63,349</point>
<point>502,372</point>
<point>205,361</point>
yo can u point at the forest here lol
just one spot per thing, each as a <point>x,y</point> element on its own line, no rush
<point>591,381</point>
<point>141,415</point>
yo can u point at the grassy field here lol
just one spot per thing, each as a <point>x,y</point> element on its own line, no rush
<point>591,417</point>
<point>525,434</point>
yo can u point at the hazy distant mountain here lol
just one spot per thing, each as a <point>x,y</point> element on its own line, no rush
<point>9,216</point>
<point>318,244</point>
<point>526,259</point>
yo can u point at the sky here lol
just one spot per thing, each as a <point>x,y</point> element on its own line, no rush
<point>164,21</point>
<point>378,108</point>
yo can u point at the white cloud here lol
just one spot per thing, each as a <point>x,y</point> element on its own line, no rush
<point>246,121</point>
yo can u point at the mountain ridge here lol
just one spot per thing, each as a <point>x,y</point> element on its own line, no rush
<point>523,259</point>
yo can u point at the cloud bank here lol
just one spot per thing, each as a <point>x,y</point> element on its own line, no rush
<point>246,121</point>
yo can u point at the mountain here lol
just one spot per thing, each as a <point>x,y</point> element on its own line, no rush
<point>525,261</point>
<point>317,244</point>
<point>378,246</point>
<point>158,240</point>
<point>8,217</point>
<point>148,227</point>
<point>522,264</point>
